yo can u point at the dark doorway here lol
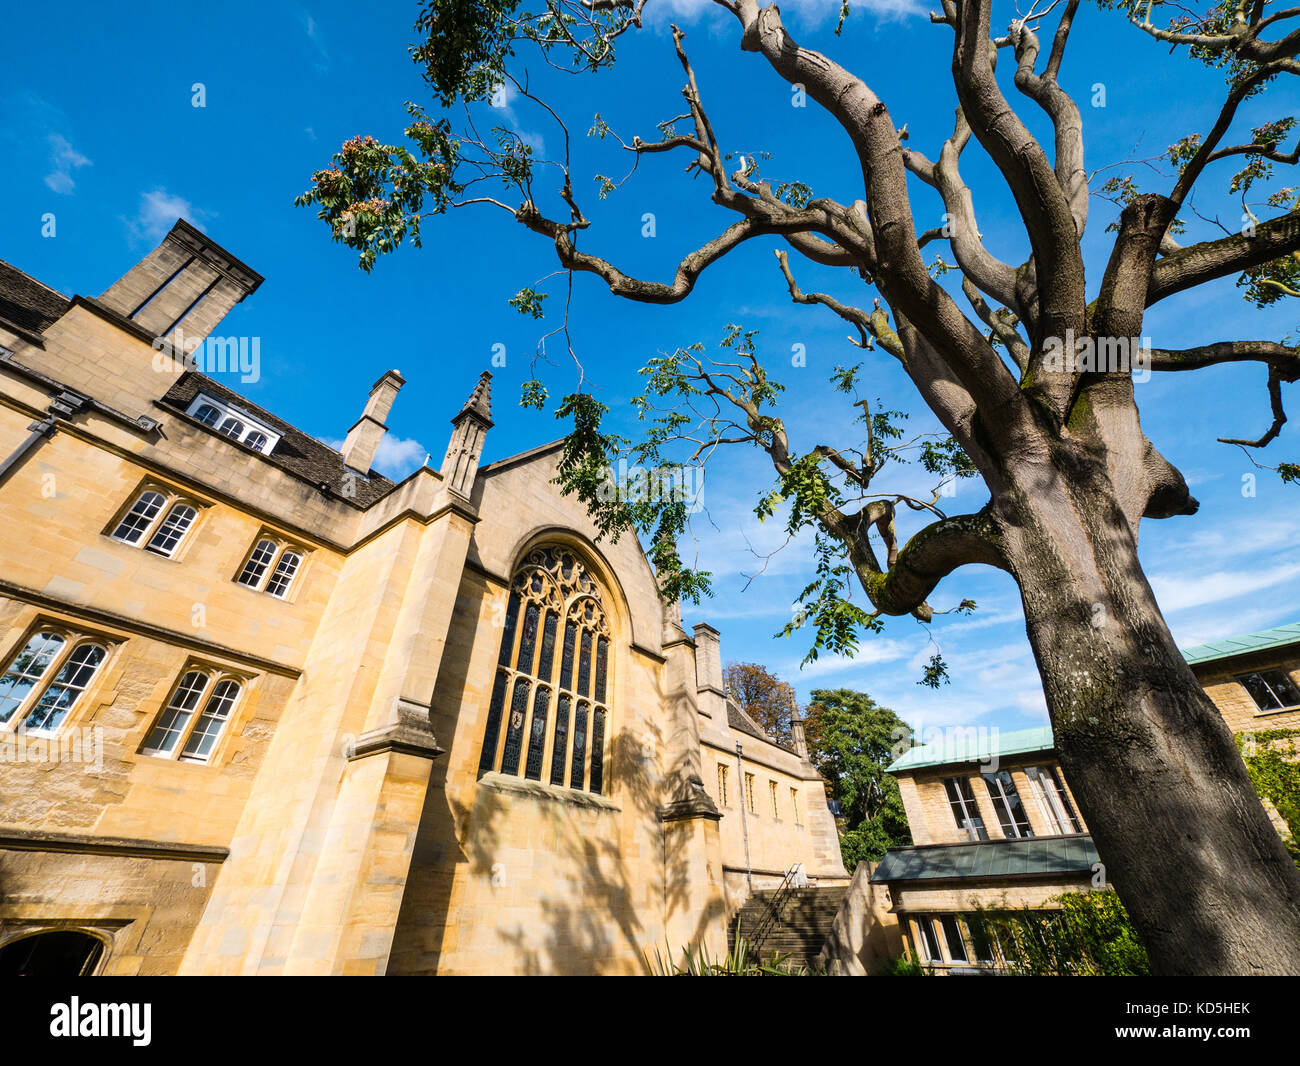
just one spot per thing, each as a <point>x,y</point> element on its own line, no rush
<point>61,954</point>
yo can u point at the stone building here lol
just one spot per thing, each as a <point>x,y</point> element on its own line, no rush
<point>995,826</point>
<point>265,711</point>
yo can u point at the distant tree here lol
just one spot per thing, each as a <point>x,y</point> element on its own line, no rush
<point>852,740</point>
<point>763,696</point>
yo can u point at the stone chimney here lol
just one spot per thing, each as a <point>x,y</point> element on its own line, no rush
<point>183,288</point>
<point>711,696</point>
<point>798,736</point>
<point>364,437</point>
<point>461,463</point>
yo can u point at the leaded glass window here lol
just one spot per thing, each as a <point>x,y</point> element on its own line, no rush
<point>157,521</point>
<point>182,731</point>
<point>173,527</point>
<point>140,517</point>
<point>270,568</point>
<point>27,670</point>
<point>45,679</point>
<point>556,726</point>
<point>66,688</point>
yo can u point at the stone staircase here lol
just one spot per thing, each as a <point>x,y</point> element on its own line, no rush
<point>801,927</point>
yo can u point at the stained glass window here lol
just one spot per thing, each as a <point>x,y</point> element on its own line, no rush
<point>566,660</point>
<point>584,665</point>
<point>560,745</point>
<point>489,757</point>
<point>551,589</point>
<point>598,749</point>
<point>537,735</point>
<point>548,647</point>
<point>602,651</point>
<point>579,747</point>
<point>515,728</point>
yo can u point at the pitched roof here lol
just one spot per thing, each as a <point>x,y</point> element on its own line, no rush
<point>297,452</point>
<point>1266,639</point>
<point>1026,857</point>
<point>971,744</point>
<point>27,303</point>
<point>738,719</point>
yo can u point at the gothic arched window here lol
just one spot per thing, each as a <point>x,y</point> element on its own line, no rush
<point>548,719</point>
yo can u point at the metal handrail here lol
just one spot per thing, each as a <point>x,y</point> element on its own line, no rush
<point>769,918</point>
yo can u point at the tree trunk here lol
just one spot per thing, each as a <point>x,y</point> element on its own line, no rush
<point>1181,833</point>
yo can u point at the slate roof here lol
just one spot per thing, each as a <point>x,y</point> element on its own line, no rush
<point>738,719</point>
<point>1265,640</point>
<point>1031,857</point>
<point>26,302</point>
<point>297,452</point>
<point>975,744</point>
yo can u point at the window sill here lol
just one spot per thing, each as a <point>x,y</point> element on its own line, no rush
<point>1277,710</point>
<point>520,786</point>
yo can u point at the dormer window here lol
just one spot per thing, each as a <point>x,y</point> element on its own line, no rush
<point>231,422</point>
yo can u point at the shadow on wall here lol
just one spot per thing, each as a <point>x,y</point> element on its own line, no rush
<point>865,935</point>
<point>595,887</point>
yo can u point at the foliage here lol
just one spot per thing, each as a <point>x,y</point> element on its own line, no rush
<point>851,741</point>
<point>763,696</point>
<point>1089,936</point>
<point>740,961</point>
<point>1276,776</point>
<point>904,967</point>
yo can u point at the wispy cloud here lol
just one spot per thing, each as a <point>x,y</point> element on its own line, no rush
<point>66,161</point>
<point>314,38</point>
<point>158,212</point>
<point>806,13</point>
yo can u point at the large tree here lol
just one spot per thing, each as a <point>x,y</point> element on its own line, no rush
<point>763,696</point>
<point>1053,433</point>
<point>852,740</point>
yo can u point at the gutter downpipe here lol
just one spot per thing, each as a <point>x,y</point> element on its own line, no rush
<point>744,823</point>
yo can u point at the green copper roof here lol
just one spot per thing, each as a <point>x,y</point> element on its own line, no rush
<point>975,744</point>
<point>1225,649</point>
<point>1031,857</point>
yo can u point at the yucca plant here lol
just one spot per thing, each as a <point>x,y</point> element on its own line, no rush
<point>740,961</point>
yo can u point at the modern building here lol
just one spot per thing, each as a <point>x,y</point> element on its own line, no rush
<point>996,828</point>
<point>264,710</point>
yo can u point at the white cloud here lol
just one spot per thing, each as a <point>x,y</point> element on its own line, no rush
<point>158,212</point>
<point>396,457</point>
<point>1180,592</point>
<point>66,161</point>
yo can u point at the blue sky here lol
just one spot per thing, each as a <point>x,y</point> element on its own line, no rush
<point>100,131</point>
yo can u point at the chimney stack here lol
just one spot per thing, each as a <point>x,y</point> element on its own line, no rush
<point>183,288</point>
<point>711,697</point>
<point>364,437</point>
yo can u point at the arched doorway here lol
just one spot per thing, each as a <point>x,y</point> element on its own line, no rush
<point>64,953</point>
